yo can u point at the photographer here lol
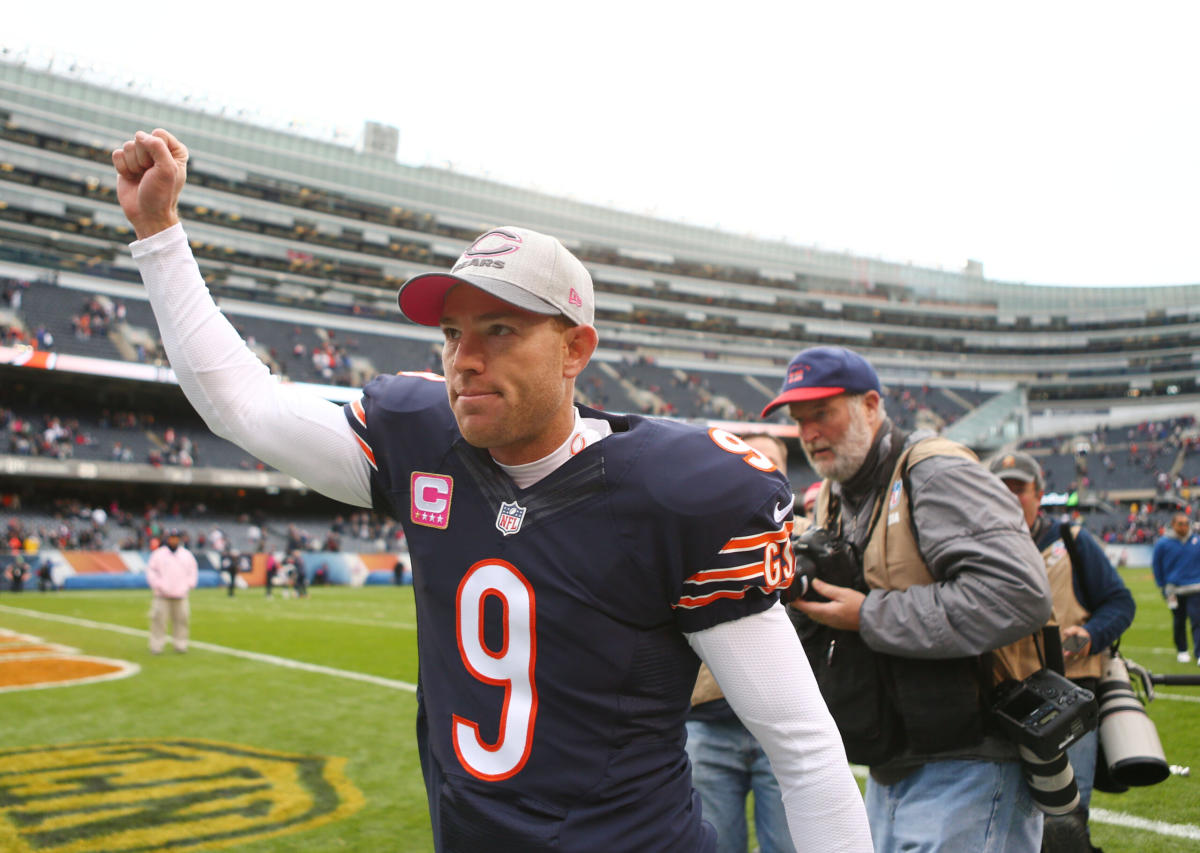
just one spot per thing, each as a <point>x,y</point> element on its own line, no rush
<point>1092,607</point>
<point>942,571</point>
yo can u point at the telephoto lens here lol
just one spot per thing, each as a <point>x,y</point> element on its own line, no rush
<point>1051,782</point>
<point>1128,738</point>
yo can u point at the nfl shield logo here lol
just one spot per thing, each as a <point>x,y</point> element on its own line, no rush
<point>510,517</point>
<point>897,490</point>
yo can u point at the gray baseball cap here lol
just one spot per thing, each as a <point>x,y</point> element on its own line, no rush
<point>1017,465</point>
<point>523,267</point>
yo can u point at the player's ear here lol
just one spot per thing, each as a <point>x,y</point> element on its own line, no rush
<point>579,342</point>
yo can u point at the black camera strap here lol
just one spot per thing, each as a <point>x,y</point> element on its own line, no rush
<point>1054,653</point>
<point>1068,539</point>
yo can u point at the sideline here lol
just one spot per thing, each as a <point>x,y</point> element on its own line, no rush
<point>259,657</point>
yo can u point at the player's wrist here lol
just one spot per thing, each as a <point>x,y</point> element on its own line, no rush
<point>149,226</point>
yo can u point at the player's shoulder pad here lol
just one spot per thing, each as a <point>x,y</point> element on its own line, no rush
<point>694,470</point>
<point>392,409</point>
<point>405,392</point>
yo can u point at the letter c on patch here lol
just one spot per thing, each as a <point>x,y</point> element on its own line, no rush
<point>431,495</point>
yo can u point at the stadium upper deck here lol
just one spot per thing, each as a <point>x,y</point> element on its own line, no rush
<point>283,218</point>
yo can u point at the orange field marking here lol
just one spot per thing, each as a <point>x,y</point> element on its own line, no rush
<point>28,663</point>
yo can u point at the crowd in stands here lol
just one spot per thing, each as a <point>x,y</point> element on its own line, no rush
<point>56,437</point>
<point>1156,457</point>
<point>49,435</point>
<point>70,524</point>
<point>1161,458</point>
<point>97,316</point>
<point>892,309</point>
<point>330,361</point>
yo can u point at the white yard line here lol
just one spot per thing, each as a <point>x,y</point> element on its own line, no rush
<point>258,657</point>
<point>1100,815</point>
<point>346,620</point>
<point>1179,830</point>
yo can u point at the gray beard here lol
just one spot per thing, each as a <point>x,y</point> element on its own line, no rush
<point>849,452</point>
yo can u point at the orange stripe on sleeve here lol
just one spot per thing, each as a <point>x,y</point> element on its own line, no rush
<point>758,540</point>
<point>691,602</point>
<point>360,414</point>
<point>367,451</point>
<point>734,573</point>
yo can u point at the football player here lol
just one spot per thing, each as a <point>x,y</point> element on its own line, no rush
<point>571,568</point>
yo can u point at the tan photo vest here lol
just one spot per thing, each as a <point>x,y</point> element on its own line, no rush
<point>892,560</point>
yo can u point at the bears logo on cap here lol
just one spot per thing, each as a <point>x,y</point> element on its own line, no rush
<point>494,243</point>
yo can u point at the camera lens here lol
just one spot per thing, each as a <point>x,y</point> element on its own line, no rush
<point>1051,782</point>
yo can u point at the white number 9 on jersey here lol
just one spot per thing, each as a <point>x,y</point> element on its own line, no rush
<point>729,442</point>
<point>512,666</point>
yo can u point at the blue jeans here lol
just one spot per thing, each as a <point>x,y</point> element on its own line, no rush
<point>727,764</point>
<point>1082,755</point>
<point>955,807</point>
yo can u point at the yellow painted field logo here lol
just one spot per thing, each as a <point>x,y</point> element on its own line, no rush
<point>29,663</point>
<point>171,794</point>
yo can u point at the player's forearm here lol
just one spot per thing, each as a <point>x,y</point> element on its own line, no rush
<point>777,699</point>
<point>233,391</point>
<point>216,371</point>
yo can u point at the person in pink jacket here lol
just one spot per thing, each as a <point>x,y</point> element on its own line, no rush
<point>171,573</point>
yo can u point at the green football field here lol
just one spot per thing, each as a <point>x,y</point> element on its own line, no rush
<point>288,726</point>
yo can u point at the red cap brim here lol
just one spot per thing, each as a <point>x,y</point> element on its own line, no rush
<point>795,395</point>
<point>422,297</point>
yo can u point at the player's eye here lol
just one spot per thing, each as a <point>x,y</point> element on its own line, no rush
<point>451,334</point>
<point>499,329</point>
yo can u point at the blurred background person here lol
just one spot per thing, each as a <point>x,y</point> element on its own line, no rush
<point>299,578</point>
<point>171,573</point>
<point>1176,564</point>
<point>17,574</point>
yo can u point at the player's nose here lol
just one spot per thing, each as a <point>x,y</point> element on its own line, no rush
<point>468,353</point>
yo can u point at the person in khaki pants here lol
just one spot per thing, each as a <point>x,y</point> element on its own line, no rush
<point>171,573</point>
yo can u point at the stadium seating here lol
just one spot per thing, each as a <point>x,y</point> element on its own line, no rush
<point>694,323</point>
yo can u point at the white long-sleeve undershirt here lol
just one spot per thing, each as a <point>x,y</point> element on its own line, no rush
<point>300,433</point>
<point>776,697</point>
<point>308,437</point>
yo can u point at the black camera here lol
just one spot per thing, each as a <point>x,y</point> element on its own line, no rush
<point>820,555</point>
<point>1045,713</point>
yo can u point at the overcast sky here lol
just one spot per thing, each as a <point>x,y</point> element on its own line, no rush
<point>1055,142</point>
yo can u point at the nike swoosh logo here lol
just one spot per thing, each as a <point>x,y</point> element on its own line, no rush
<point>782,511</point>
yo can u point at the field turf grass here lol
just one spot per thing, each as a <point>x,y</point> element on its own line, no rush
<point>221,696</point>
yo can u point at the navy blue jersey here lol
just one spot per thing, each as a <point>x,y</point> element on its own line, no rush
<point>554,674</point>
